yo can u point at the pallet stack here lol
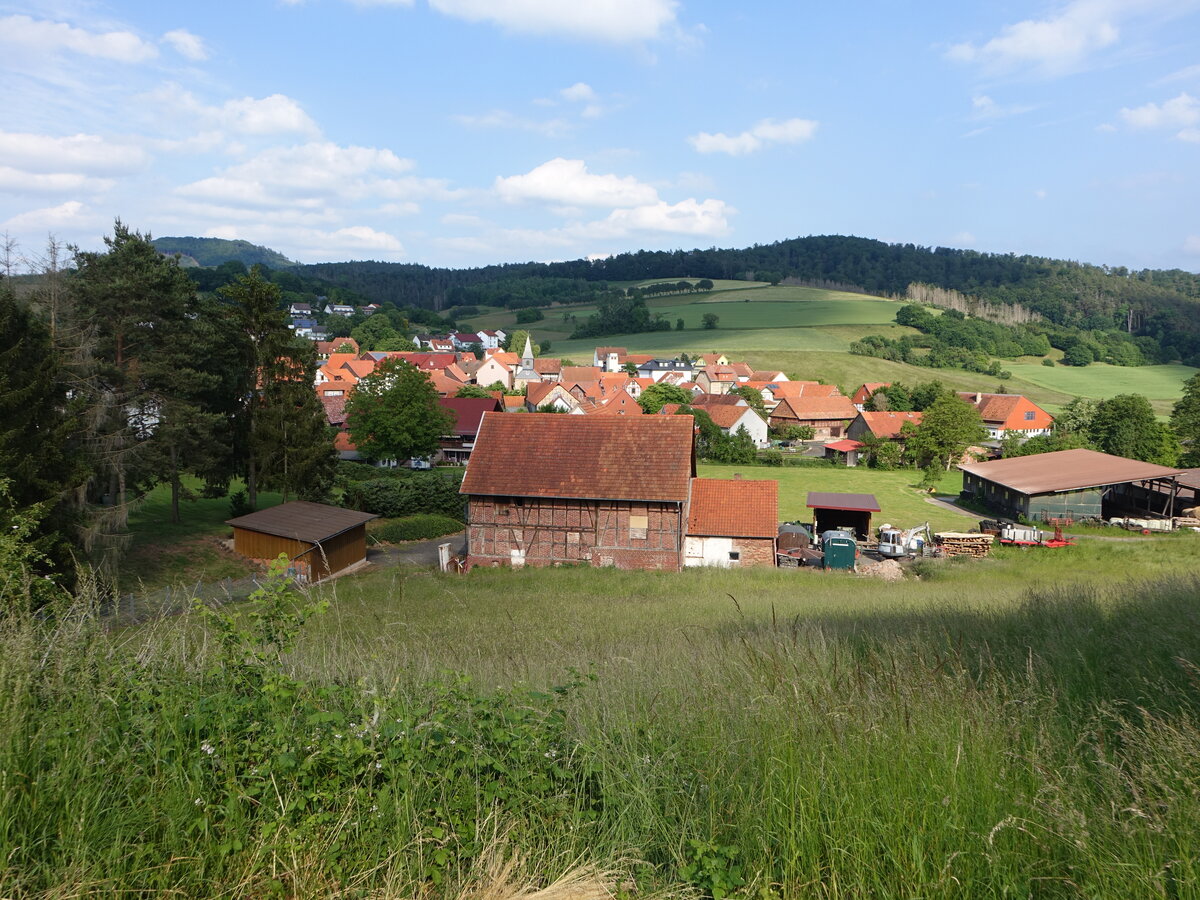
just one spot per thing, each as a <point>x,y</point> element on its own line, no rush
<point>958,543</point>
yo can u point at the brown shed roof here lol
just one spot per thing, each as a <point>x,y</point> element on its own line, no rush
<point>734,508</point>
<point>1065,470</point>
<point>594,457</point>
<point>310,522</point>
<point>859,502</point>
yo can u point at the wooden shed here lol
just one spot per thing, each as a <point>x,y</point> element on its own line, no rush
<point>318,540</point>
<point>851,512</point>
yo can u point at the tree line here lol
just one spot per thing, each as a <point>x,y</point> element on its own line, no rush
<point>117,375</point>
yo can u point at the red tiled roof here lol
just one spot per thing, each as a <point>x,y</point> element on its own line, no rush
<point>888,424</point>
<point>719,400</point>
<point>620,404</point>
<point>335,409</point>
<point>326,348</point>
<point>576,374</point>
<point>864,392</point>
<point>537,392</point>
<point>512,402</point>
<point>593,457</point>
<point>468,412</point>
<point>844,446</point>
<point>734,508</point>
<point>771,375</point>
<point>547,366</point>
<point>802,389</point>
<point>815,408</point>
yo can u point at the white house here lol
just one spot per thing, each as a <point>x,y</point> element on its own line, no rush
<point>339,309</point>
<point>609,359</point>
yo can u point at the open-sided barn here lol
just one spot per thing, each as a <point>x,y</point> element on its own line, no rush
<point>1066,484</point>
<point>546,489</point>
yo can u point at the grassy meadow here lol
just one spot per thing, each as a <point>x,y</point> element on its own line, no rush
<point>1024,725</point>
<point>807,332</point>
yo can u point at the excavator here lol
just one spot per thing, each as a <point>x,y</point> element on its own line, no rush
<point>897,544</point>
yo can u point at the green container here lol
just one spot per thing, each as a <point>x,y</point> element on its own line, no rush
<point>840,549</point>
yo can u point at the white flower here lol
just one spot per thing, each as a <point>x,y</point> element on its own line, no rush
<point>208,748</point>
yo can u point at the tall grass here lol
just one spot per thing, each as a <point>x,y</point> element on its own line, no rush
<point>1023,726</point>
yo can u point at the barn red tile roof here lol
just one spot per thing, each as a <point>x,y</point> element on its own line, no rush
<point>888,424</point>
<point>537,392</point>
<point>335,409</point>
<point>734,508</point>
<point>619,404</point>
<point>707,400</point>
<point>513,402</point>
<point>593,457</point>
<point>844,446</point>
<point>468,412</point>
<point>547,366</point>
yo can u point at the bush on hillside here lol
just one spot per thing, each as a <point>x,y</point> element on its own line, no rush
<point>419,527</point>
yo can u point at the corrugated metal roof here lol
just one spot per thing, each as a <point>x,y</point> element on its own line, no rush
<point>592,457</point>
<point>859,502</point>
<point>734,508</point>
<point>310,522</point>
<point>1065,470</point>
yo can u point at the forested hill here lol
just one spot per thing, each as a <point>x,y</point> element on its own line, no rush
<point>1164,304</point>
<point>214,251</point>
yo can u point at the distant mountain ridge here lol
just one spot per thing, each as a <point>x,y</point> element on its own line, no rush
<point>214,251</point>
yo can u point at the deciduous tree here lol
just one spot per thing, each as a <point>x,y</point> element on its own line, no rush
<point>947,429</point>
<point>394,413</point>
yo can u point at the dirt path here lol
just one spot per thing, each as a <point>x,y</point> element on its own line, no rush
<point>416,553</point>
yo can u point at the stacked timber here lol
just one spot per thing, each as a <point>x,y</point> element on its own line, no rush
<point>1186,522</point>
<point>959,543</point>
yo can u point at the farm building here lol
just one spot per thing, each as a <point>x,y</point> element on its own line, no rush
<point>468,412</point>
<point>848,512</point>
<point>318,540</point>
<point>546,489</point>
<point>732,523</point>
<point>827,416</point>
<point>1071,484</point>
<point>1007,413</point>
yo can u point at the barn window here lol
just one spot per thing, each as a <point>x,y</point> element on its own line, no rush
<point>502,507</point>
<point>638,526</point>
<point>1029,415</point>
<point>734,555</point>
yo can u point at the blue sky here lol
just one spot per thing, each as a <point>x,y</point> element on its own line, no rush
<point>468,132</point>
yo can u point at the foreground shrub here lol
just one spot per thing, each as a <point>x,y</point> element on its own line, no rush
<point>421,527</point>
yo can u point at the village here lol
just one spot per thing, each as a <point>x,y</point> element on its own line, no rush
<point>564,466</point>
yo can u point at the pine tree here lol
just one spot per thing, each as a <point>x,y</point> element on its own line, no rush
<point>256,314</point>
<point>293,448</point>
<point>38,452</point>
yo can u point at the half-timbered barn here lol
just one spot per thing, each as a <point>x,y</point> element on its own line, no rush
<point>546,489</point>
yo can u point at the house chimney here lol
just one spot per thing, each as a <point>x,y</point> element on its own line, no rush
<point>978,397</point>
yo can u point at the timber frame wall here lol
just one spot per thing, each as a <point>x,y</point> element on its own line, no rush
<point>537,531</point>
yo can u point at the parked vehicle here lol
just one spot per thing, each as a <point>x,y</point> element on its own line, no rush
<point>897,544</point>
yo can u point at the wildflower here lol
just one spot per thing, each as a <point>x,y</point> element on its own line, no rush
<point>208,748</point>
<point>378,766</point>
<point>199,801</point>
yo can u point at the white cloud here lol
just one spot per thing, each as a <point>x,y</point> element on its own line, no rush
<point>316,244</point>
<point>611,21</point>
<point>1174,113</point>
<point>1054,45</point>
<point>708,218</point>
<point>499,118</point>
<point>767,131</point>
<point>567,182</point>
<point>276,114</point>
<point>1188,73</point>
<point>43,36</point>
<point>71,214</point>
<point>578,93</point>
<point>78,154</point>
<point>984,107</point>
<point>313,176</point>
<point>1191,135</point>
<point>16,181</point>
<point>186,44</point>
<point>1040,193</point>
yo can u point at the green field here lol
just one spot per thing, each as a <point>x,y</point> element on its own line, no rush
<point>806,332</point>
<point>901,502</point>
<point>1018,726</point>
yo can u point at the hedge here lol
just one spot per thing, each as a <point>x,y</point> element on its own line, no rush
<point>421,527</point>
<point>416,492</point>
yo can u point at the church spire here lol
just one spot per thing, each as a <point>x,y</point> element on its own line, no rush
<point>528,354</point>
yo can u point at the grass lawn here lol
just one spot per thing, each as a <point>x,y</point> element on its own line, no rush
<point>902,503</point>
<point>163,552</point>
<point>1157,383</point>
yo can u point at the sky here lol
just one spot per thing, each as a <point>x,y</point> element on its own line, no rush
<point>469,132</point>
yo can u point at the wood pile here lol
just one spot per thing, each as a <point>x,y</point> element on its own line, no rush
<point>958,543</point>
<point>1186,522</point>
